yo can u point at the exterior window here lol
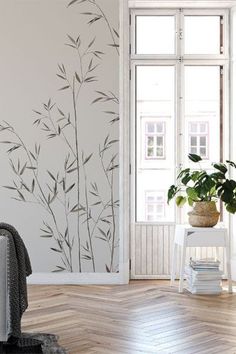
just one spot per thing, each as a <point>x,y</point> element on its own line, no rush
<point>155,205</point>
<point>198,138</point>
<point>155,140</point>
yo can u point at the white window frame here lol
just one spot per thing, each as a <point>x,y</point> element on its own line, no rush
<point>179,27</point>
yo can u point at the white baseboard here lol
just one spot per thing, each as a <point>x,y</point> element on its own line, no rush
<point>80,278</point>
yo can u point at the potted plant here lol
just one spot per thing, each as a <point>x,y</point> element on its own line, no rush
<point>201,189</point>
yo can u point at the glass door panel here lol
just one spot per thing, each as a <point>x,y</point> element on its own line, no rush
<point>155,142</point>
<point>202,112</point>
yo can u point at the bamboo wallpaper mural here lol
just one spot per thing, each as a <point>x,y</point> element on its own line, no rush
<point>77,200</point>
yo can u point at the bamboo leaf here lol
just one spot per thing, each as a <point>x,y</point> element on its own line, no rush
<point>96,100</point>
<point>91,43</point>
<point>51,175</point>
<point>113,167</point>
<point>13,148</point>
<point>33,156</point>
<point>61,77</point>
<point>87,159</point>
<point>56,250</point>
<point>95,194</point>
<point>72,170</point>
<point>60,112</point>
<point>70,188</point>
<point>21,195</point>
<point>107,269</point>
<point>71,39</point>
<point>114,45</point>
<point>113,141</point>
<point>97,203</point>
<point>33,185</point>
<point>9,187</point>
<point>25,186</point>
<point>90,79</point>
<point>86,257</point>
<point>31,168</point>
<point>101,238</point>
<point>102,232</point>
<point>64,88</point>
<point>37,112</point>
<point>60,269</point>
<point>74,1</point>
<point>116,33</point>
<point>77,77</point>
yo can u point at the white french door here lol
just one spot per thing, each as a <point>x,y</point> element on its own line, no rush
<point>179,85</point>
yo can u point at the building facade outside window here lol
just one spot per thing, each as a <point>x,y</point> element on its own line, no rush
<point>155,205</point>
<point>199,139</point>
<point>155,140</point>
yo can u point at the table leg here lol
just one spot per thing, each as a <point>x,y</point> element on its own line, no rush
<point>182,265</point>
<point>228,263</point>
<point>173,264</point>
<point>217,253</point>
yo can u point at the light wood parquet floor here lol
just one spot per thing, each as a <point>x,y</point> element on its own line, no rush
<point>142,317</point>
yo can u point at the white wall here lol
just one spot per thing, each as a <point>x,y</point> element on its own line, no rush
<point>33,36</point>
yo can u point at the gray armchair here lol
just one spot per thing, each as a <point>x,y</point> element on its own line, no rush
<point>3,289</point>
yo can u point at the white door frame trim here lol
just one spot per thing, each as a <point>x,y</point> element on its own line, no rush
<point>124,148</point>
<point>124,184</point>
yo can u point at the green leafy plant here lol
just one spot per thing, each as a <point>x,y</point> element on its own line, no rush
<point>199,185</point>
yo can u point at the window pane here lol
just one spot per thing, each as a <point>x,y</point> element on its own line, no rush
<point>202,105</point>
<point>150,141</point>
<point>159,127</point>
<point>155,90</point>
<point>149,35</point>
<point>159,209</point>
<point>203,127</point>
<point>150,208</point>
<point>155,165</point>
<point>150,199</point>
<point>202,151</point>
<point>150,127</point>
<point>193,141</point>
<point>202,34</point>
<point>160,152</point>
<point>193,150</point>
<point>193,127</point>
<point>150,218</point>
<point>159,141</point>
<point>202,141</point>
<point>150,152</point>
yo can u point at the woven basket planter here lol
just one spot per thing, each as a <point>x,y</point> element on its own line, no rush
<point>204,214</point>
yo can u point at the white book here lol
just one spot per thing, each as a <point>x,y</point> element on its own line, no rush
<point>204,292</point>
<point>200,286</point>
<point>189,270</point>
<point>206,285</point>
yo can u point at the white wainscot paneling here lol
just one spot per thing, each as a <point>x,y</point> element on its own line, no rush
<point>151,247</point>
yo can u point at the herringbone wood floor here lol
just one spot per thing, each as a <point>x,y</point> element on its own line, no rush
<point>142,317</point>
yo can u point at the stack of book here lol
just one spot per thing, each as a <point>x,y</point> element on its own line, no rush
<point>204,276</point>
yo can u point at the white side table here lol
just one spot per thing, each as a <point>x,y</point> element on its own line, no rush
<point>188,236</point>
